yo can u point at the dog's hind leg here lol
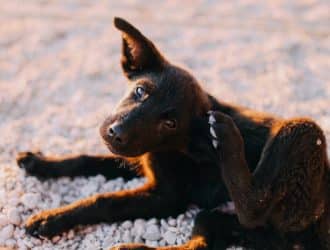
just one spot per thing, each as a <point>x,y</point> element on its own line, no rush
<point>288,188</point>
<point>221,231</point>
<point>38,165</point>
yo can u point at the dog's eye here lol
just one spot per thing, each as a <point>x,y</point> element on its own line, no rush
<point>170,123</point>
<point>140,92</point>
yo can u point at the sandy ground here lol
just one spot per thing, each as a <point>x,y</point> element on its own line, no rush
<point>60,73</point>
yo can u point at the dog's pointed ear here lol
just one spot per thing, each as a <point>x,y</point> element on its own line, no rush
<point>139,54</point>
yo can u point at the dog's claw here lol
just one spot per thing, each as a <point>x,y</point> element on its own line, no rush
<point>211,119</point>
<point>212,132</point>
<point>215,143</point>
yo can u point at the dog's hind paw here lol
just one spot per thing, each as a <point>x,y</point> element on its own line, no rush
<point>223,130</point>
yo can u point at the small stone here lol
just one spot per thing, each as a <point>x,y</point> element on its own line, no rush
<point>172,222</point>
<point>127,224</point>
<point>6,232</point>
<point>152,221</point>
<point>21,245</point>
<point>55,239</point>
<point>14,216</point>
<point>30,200</point>
<point>70,234</point>
<point>179,241</point>
<point>138,239</point>
<point>28,243</point>
<point>107,242</point>
<point>163,223</point>
<point>3,220</point>
<point>139,227</point>
<point>152,233</point>
<point>88,230</point>
<point>13,201</point>
<point>184,224</point>
<point>151,243</point>
<point>127,236</point>
<point>173,229</point>
<point>36,241</point>
<point>10,243</point>
<point>170,237</point>
<point>180,218</point>
<point>3,197</point>
<point>162,243</point>
<point>89,189</point>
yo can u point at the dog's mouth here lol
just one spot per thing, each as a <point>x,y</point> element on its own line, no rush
<point>129,148</point>
<point>122,150</point>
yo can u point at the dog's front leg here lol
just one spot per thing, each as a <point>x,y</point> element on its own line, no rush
<point>44,167</point>
<point>143,202</point>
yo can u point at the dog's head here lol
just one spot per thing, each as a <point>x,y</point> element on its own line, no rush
<point>161,101</point>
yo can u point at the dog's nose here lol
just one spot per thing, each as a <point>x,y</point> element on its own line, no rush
<point>115,132</point>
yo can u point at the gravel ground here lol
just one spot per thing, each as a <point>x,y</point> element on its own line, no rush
<point>60,76</point>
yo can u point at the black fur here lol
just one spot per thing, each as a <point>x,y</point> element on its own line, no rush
<point>276,171</point>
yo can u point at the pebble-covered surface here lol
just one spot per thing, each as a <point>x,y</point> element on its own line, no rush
<point>60,77</point>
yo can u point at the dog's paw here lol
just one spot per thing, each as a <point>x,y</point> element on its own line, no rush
<point>132,247</point>
<point>30,161</point>
<point>225,135</point>
<point>44,224</point>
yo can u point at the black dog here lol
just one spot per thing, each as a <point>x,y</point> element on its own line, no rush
<point>276,171</point>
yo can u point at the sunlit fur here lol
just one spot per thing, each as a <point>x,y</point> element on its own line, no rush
<point>276,171</point>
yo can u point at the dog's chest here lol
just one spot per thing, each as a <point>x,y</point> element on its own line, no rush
<point>208,190</point>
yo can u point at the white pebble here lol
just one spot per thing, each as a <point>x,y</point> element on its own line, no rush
<point>127,224</point>
<point>151,243</point>
<point>162,243</point>
<point>173,229</point>
<point>55,239</point>
<point>179,241</point>
<point>10,243</point>
<point>3,197</point>
<point>139,227</point>
<point>172,222</point>
<point>6,232</point>
<point>14,216</point>
<point>170,237</point>
<point>127,238</point>
<point>152,221</point>
<point>152,233</point>
<point>30,200</point>
<point>3,220</point>
<point>138,239</point>
<point>70,234</point>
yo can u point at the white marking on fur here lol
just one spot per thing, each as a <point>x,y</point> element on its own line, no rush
<point>211,119</point>
<point>215,143</point>
<point>213,132</point>
<point>318,142</point>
